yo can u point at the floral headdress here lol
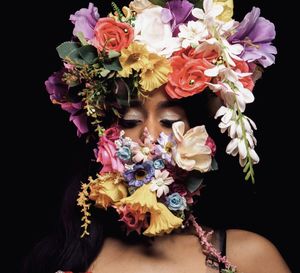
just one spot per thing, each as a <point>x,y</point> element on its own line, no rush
<point>186,47</point>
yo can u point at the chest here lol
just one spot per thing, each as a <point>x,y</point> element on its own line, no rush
<point>181,254</point>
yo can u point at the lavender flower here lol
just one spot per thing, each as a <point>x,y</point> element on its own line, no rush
<point>165,148</point>
<point>140,174</point>
<point>256,34</point>
<point>85,21</point>
<point>176,13</point>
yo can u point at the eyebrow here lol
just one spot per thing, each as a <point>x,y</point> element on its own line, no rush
<point>167,104</point>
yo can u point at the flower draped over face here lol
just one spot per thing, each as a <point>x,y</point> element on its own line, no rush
<point>186,47</point>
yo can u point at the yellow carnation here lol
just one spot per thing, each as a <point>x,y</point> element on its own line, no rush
<point>227,13</point>
<point>132,57</point>
<point>155,72</point>
<point>107,189</point>
<point>162,221</point>
<point>142,199</point>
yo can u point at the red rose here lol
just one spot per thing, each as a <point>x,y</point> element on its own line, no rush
<point>187,77</point>
<point>112,35</point>
<point>112,133</point>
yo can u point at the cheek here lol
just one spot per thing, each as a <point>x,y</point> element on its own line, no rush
<point>134,133</point>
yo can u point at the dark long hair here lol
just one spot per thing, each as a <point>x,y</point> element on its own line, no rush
<point>63,249</point>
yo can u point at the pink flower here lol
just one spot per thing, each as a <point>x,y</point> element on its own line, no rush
<point>107,152</point>
<point>112,133</point>
<point>134,219</point>
<point>212,145</point>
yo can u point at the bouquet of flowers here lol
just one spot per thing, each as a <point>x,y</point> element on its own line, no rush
<point>148,183</point>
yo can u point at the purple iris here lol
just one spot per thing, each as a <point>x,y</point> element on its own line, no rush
<point>256,34</point>
<point>140,174</point>
<point>58,91</point>
<point>176,13</point>
<point>85,21</point>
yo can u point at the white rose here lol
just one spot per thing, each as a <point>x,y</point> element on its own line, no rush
<point>151,31</point>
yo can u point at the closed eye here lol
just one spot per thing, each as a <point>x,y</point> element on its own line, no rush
<point>129,123</point>
<point>168,122</point>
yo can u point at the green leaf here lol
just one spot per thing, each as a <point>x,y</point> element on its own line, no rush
<point>66,49</point>
<point>197,3</point>
<point>214,165</point>
<point>104,72</point>
<point>161,3</point>
<point>113,66</point>
<point>246,168</point>
<point>113,54</point>
<point>193,183</point>
<point>247,176</point>
<point>81,38</point>
<point>89,54</point>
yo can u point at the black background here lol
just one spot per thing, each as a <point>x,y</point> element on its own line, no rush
<point>44,151</point>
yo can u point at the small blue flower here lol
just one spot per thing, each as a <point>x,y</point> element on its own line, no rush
<point>124,153</point>
<point>158,164</point>
<point>175,201</point>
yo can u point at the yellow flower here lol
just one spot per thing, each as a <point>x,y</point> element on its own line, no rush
<point>132,57</point>
<point>227,13</point>
<point>163,221</point>
<point>155,72</point>
<point>107,189</point>
<point>142,199</point>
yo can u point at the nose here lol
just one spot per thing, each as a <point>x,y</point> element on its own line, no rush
<point>151,128</point>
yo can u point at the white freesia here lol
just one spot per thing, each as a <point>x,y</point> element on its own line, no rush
<point>160,182</point>
<point>192,33</point>
<point>209,12</point>
<point>151,31</point>
<point>192,152</point>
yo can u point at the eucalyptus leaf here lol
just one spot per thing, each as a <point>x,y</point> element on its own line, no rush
<point>89,54</point>
<point>66,49</point>
<point>193,183</point>
<point>113,66</point>
<point>113,54</point>
<point>104,72</point>
<point>161,3</point>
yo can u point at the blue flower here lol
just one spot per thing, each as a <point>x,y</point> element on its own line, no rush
<point>158,164</point>
<point>124,153</point>
<point>140,174</point>
<point>176,202</point>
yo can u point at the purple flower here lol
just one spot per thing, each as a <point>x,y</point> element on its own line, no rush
<point>140,174</point>
<point>58,92</point>
<point>85,21</point>
<point>256,34</point>
<point>176,13</point>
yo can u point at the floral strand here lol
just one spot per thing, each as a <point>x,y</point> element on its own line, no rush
<point>82,201</point>
<point>209,248</point>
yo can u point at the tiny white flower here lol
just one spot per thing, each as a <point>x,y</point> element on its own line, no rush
<point>160,182</point>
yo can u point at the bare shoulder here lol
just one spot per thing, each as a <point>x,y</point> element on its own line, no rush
<point>253,253</point>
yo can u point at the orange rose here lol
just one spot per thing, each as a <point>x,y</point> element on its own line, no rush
<point>112,35</point>
<point>187,77</point>
<point>243,67</point>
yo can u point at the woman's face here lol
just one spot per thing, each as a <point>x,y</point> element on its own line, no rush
<point>157,113</point>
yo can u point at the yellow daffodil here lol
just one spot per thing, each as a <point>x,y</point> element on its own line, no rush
<point>227,13</point>
<point>132,58</point>
<point>162,221</point>
<point>155,72</point>
<point>142,199</point>
<point>107,189</point>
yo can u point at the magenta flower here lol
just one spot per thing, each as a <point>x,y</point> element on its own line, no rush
<point>85,21</point>
<point>58,91</point>
<point>176,13</point>
<point>256,35</point>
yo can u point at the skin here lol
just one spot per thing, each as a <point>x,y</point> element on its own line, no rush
<point>179,252</point>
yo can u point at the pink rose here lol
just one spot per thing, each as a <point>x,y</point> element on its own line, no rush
<point>112,133</point>
<point>107,155</point>
<point>212,145</point>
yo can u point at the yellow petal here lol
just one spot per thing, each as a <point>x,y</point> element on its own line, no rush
<point>162,221</point>
<point>142,199</point>
<point>227,13</point>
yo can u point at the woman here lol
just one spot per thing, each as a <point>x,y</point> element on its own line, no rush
<point>141,69</point>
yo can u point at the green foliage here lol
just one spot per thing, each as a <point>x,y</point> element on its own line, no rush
<point>197,3</point>
<point>161,3</point>
<point>193,183</point>
<point>88,54</point>
<point>112,65</point>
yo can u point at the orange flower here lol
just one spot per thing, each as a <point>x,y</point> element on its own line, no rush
<point>112,35</point>
<point>188,76</point>
<point>243,67</point>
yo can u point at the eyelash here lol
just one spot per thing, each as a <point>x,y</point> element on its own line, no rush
<point>131,123</point>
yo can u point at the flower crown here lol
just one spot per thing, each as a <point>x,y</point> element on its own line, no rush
<point>186,47</point>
